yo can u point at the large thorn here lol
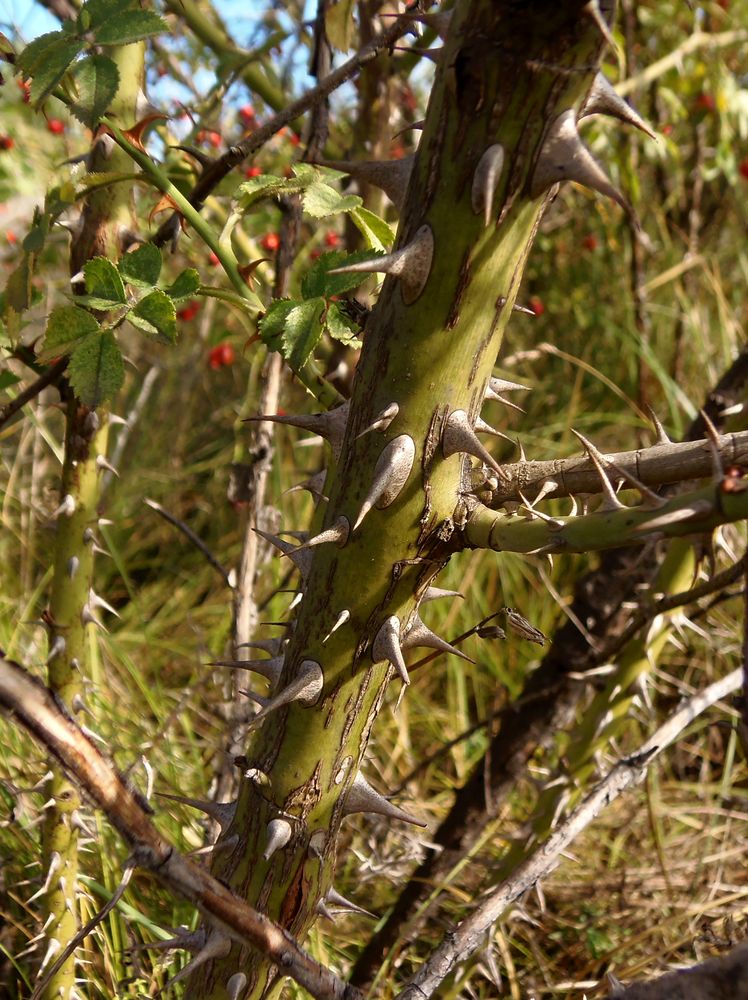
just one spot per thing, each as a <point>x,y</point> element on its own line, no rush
<point>236,986</point>
<point>314,485</point>
<point>270,646</point>
<point>411,264</point>
<point>382,421</point>
<point>338,533</point>
<point>339,622</point>
<point>603,99</point>
<point>97,601</point>
<point>304,689</point>
<point>390,475</point>
<point>217,945</point>
<point>361,797</point>
<point>221,812</point>
<point>271,669</point>
<point>57,647</point>
<point>66,508</point>
<point>55,864</point>
<point>504,385</point>
<point>492,395</point>
<point>333,897</point>
<point>458,436</point>
<point>486,180</point>
<point>386,646</point>
<point>421,635</point>
<point>329,425</point>
<point>611,501</point>
<point>592,10</point>
<point>278,835</point>
<point>435,593</point>
<point>564,157</point>
<point>323,910</point>
<point>301,559</point>
<point>392,176</point>
<point>693,511</point>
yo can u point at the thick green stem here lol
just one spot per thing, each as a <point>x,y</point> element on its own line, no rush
<point>430,346</point>
<point>73,609</point>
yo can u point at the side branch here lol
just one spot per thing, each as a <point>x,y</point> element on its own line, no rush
<point>609,527</point>
<point>44,717</point>
<point>470,935</point>
<point>658,465</point>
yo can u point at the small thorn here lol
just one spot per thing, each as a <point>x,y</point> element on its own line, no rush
<point>55,864</point>
<point>301,559</point>
<point>117,420</point>
<point>523,309</point>
<point>382,421</point>
<point>220,812</point>
<point>420,634</point>
<point>52,948</point>
<point>72,566</point>
<point>486,180</point>
<point>554,523</point>
<point>236,986</point>
<point>564,157</point>
<point>549,486</point>
<point>66,508</point>
<point>57,648</point>
<point>333,897</point>
<point>458,436</point>
<point>216,946</point>
<point>304,689</point>
<point>270,669</point>
<point>89,618</point>
<point>481,427</point>
<point>521,450</point>
<point>611,501</point>
<point>329,425</point>
<point>386,646</point>
<point>102,463</point>
<point>279,833</point>
<point>77,705</point>
<point>391,176</point>
<point>715,441</point>
<point>411,264</point>
<point>342,618</point>
<point>661,435</point>
<point>492,396</point>
<point>603,99</point>
<point>434,593</point>
<point>504,385</point>
<point>433,54</point>
<point>98,602</point>
<point>361,797</point>
<point>296,601</point>
<point>616,986</point>
<point>337,533</point>
<point>314,485</point>
<point>321,909</point>
<point>390,475</point>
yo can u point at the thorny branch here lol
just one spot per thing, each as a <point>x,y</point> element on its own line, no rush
<point>37,709</point>
<point>470,934</point>
<point>50,376</point>
<point>658,465</point>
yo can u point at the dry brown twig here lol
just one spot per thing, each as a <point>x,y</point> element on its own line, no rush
<point>36,708</point>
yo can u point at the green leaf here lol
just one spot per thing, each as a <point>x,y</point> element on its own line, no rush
<point>96,370</point>
<point>318,280</point>
<point>266,186</point>
<point>96,12</point>
<point>185,285</point>
<point>302,331</point>
<point>156,316</point>
<point>67,327</point>
<point>141,267</point>
<point>96,80</point>
<point>7,379</point>
<point>103,283</point>
<point>374,230</point>
<point>129,26</point>
<point>273,323</point>
<point>342,327</point>
<point>321,200</point>
<point>339,24</point>
<point>46,60</point>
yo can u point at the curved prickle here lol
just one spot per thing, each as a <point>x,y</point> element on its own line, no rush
<point>387,646</point>
<point>564,157</point>
<point>391,176</point>
<point>459,437</point>
<point>486,181</point>
<point>304,689</point>
<point>329,425</point>
<point>411,264</point>
<point>419,634</point>
<point>603,99</point>
<point>390,475</point>
<point>361,797</point>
